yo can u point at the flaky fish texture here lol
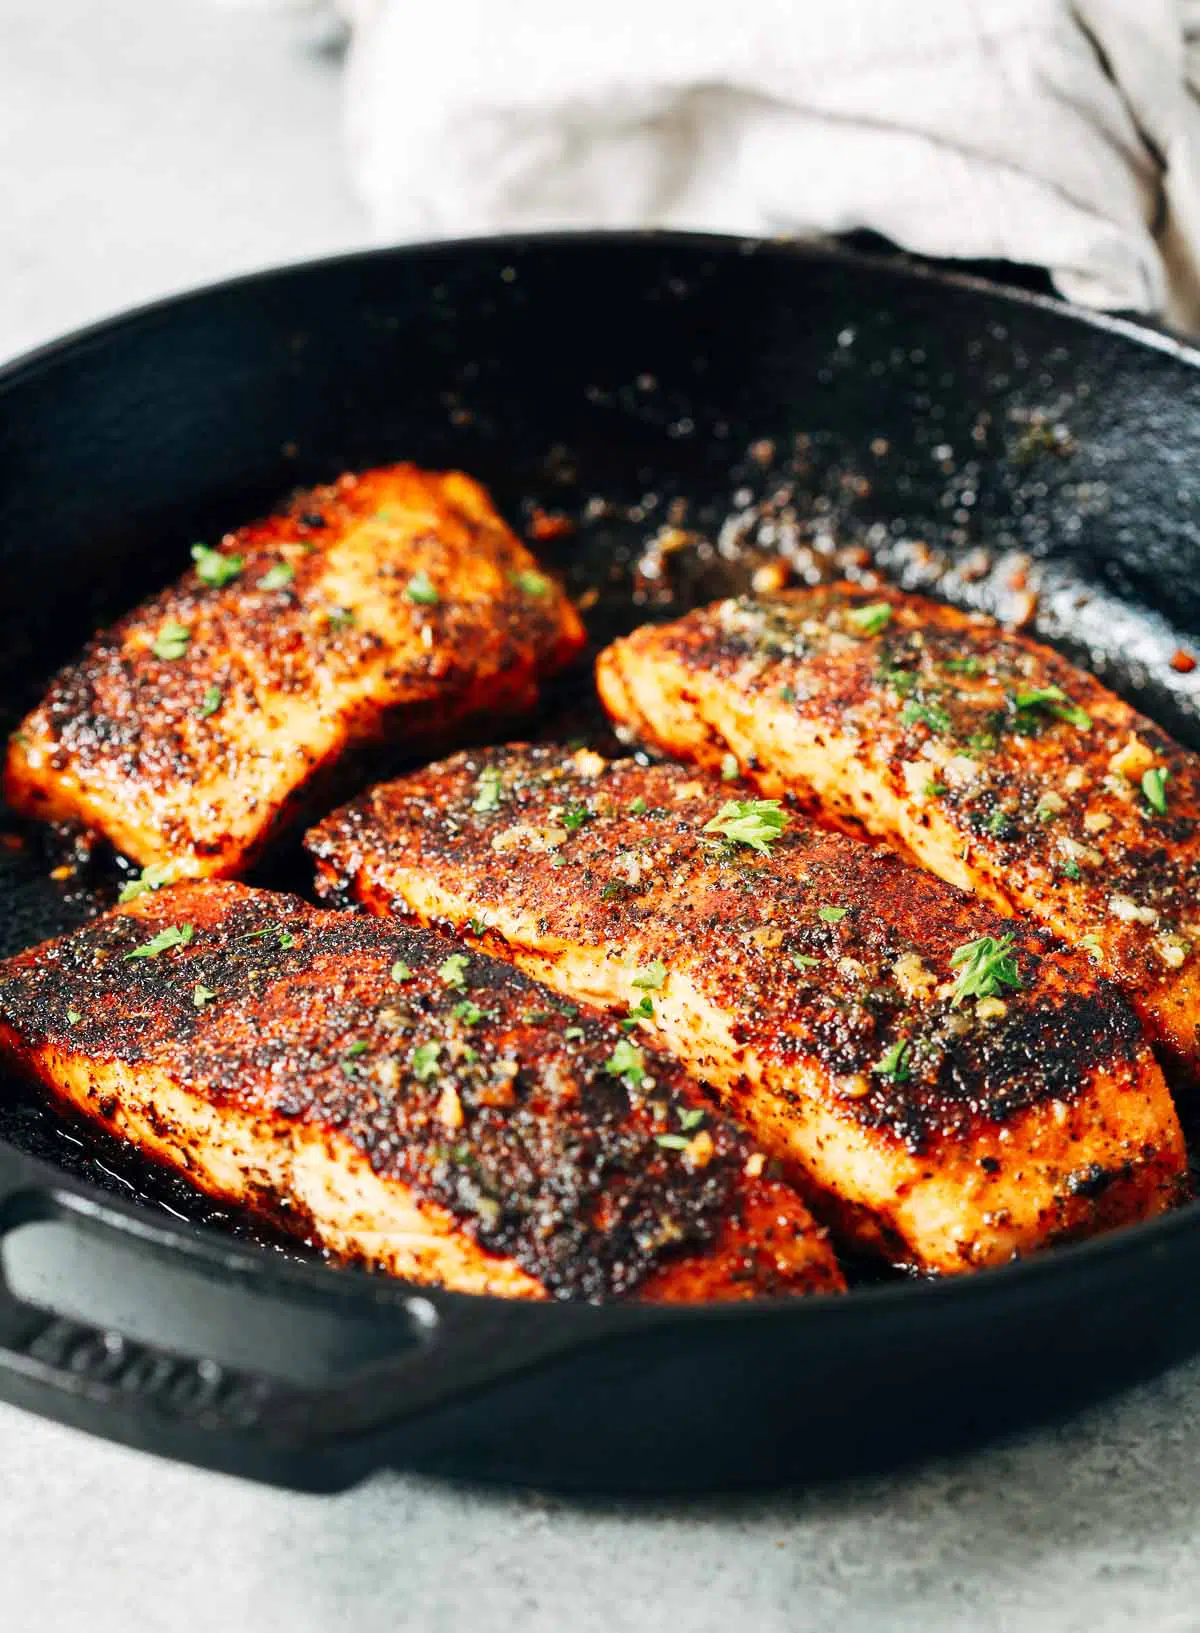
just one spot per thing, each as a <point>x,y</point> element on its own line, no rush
<point>955,1087</point>
<point>980,753</point>
<point>401,1103</point>
<point>393,606</point>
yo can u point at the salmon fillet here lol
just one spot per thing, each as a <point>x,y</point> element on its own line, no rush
<point>981,754</point>
<point>421,1111</point>
<point>393,605</point>
<point>835,997</point>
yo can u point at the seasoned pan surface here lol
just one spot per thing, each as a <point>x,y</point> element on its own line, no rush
<point>664,418</point>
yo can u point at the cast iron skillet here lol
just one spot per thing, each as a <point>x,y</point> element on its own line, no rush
<point>934,415</point>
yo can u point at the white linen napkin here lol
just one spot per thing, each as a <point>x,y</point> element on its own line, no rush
<point>1060,133</point>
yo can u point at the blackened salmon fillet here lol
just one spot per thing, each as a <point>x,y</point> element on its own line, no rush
<point>393,606</point>
<point>401,1103</point>
<point>978,752</point>
<point>956,1087</point>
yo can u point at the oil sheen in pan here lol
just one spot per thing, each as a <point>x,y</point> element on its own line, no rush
<point>625,561</point>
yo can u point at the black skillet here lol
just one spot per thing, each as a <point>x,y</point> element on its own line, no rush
<point>843,411</point>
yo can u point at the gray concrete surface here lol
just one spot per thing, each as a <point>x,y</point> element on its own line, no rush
<point>149,144</point>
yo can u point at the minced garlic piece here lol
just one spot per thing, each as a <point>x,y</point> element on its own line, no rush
<point>698,1152</point>
<point>991,1009</point>
<point>755,1163</point>
<point>1172,949</point>
<point>913,979</point>
<point>1095,822</point>
<point>959,770</point>
<point>854,1088</point>
<point>1049,806</point>
<point>916,774</point>
<point>626,866</point>
<point>767,938</point>
<point>851,970</point>
<point>1132,759</point>
<point>590,764</point>
<point>1127,910</point>
<point>1088,854</point>
<point>526,837</point>
<point>449,1108</point>
<point>1074,780</point>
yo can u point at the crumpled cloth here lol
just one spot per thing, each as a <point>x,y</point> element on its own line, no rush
<point>1060,135</point>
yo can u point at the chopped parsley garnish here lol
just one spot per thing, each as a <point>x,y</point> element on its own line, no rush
<point>152,877</point>
<point>1000,825</point>
<point>421,590</point>
<point>530,583</point>
<point>73,1015</point>
<point>1072,869</point>
<point>1154,787</point>
<point>202,995</point>
<point>487,790</point>
<point>639,1012</point>
<point>425,1061</point>
<point>787,694</point>
<point>574,817</point>
<point>893,1062</point>
<point>637,807</point>
<point>901,681</point>
<point>537,1017</point>
<point>755,822</point>
<point>469,1013</point>
<point>832,915</point>
<point>476,926</point>
<point>210,702</point>
<point>985,967</point>
<point>341,618</point>
<point>175,935</point>
<point>453,971</point>
<point>573,1034</point>
<point>358,1047</point>
<point>614,889</point>
<point>171,642</point>
<point>277,577</point>
<point>963,666</point>
<point>691,1116</point>
<point>214,569</point>
<point>652,977</point>
<point>803,961</point>
<point>401,971</point>
<point>626,1061</point>
<point>286,938</point>
<point>934,790</point>
<point>981,742</point>
<point>871,619</point>
<point>673,1142</point>
<point>916,713</point>
<point>730,770</point>
<point>1056,702</point>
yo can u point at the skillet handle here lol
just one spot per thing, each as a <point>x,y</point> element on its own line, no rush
<point>249,1421</point>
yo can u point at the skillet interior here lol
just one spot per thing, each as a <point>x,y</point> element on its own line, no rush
<point>909,423</point>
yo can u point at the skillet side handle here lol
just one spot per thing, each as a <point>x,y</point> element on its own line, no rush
<point>233,1421</point>
<point>250,1422</point>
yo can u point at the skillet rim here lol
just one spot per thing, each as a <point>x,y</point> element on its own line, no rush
<point>207,1246</point>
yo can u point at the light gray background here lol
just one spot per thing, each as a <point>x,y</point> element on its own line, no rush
<point>149,144</point>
